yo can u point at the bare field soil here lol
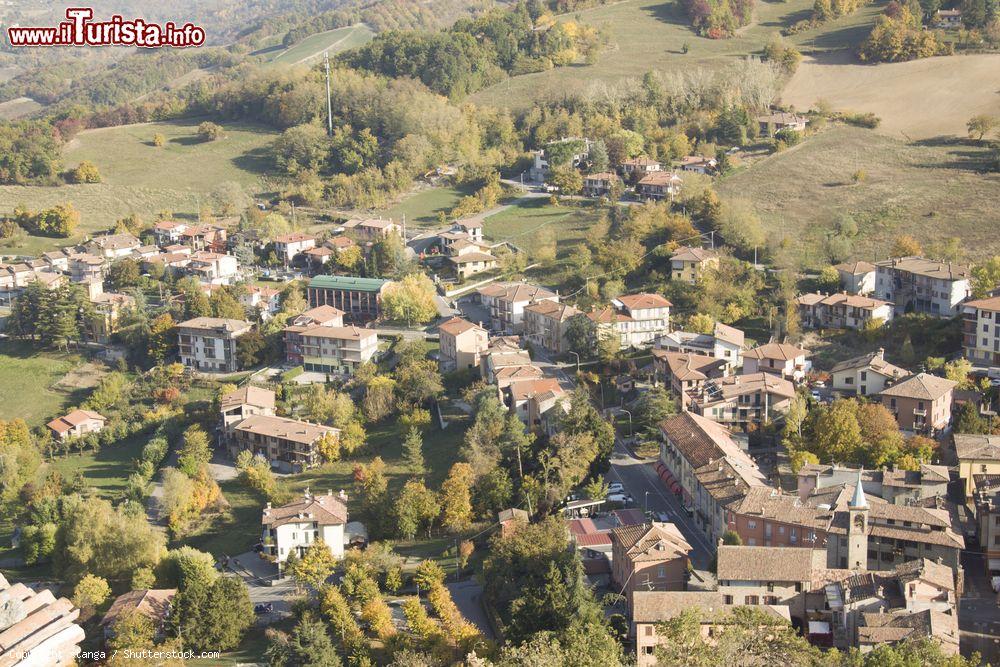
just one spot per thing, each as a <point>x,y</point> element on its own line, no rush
<point>916,100</point>
<point>931,189</point>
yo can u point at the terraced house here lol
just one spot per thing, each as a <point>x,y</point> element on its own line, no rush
<point>923,285</point>
<point>842,311</point>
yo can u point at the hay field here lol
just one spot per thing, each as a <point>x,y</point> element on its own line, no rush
<point>333,41</point>
<point>931,190</point>
<point>650,35</point>
<point>916,100</point>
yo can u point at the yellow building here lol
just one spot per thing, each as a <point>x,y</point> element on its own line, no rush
<point>977,455</point>
<point>686,264</point>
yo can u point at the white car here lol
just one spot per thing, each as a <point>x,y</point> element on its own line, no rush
<point>616,487</point>
<point>622,498</point>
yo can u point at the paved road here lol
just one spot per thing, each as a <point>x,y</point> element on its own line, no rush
<point>639,479</point>
<point>468,595</point>
<point>979,616</point>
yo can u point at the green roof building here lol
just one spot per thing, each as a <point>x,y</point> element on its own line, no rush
<point>359,298</point>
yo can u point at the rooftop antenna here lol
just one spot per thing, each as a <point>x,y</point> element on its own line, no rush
<point>329,103</point>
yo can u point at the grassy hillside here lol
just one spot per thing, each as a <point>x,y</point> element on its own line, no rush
<point>333,41</point>
<point>930,190</point>
<point>139,177</point>
<point>915,100</point>
<point>37,386</point>
<point>650,35</point>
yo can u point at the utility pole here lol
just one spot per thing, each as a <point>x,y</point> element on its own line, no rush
<point>329,102</point>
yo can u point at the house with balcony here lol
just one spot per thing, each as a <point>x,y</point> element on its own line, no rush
<point>506,302</point>
<point>659,185</point>
<point>981,332</point>
<point>744,401</point>
<point>289,445</point>
<point>685,373</point>
<point>648,557</point>
<point>209,343</point>
<point>545,324</point>
<point>725,342</point>
<point>788,361</point>
<point>687,263</point>
<point>289,246</point>
<point>920,403</point>
<point>866,375</point>
<point>293,528</point>
<point>915,284</point>
<point>248,400</point>
<point>337,350</point>
<point>600,184</point>
<point>842,311</point>
<point>977,455</point>
<point>635,319</point>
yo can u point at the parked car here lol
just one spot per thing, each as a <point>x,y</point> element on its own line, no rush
<point>816,396</point>
<point>616,487</point>
<point>263,608</point>
<point>622,498</point>
<point>663,517</point>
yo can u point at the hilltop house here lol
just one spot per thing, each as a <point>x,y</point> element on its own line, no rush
<point>659,185</point>
<point>772,123</point>
<point>687,264</point>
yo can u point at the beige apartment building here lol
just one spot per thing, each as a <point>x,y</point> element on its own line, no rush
<point>545,324</point>
<point>920,403</point>
<point>648,557</point>
<point>337,350</point>
<point>462,344</point>
<point>288,444</point>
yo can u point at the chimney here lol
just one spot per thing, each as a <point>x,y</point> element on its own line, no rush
<point>342,495</point>
<point>880,353</point>
<point>268,505</point>
<point>306,494</point>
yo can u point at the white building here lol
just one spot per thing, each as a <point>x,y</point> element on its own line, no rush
<point>637,319</point>
<point>981,331</point>
<point>923,285</point>
<point>788,361</point>
<point>866,375</point>
<point>506,301</point>
<point>296,526</point>
<point>288,246</point>
<point>725,342</point>
<point>209,343</point>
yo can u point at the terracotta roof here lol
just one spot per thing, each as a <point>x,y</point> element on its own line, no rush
<point>921,386</point>
<point>651,541</point>
<point>285,428</point>
<point>73,419</point>
<point>924,569</point>
<point>902,625</point>
<point>656,606</point>
<point>977,447</point>
<point>873,361</point>
<point>248,395</point>
<point>855,268</point>
<point>326,510</point>
<point>752,563</point>
<point>340,242</point>
<point>319,315</point>
<point>991,304</point>
<point>769,503</point>
<point>512,514</point>
<point>842,299</point>
<point>38,626</point>
<point>928,267</point>
<point>552,309</point>
<point>457,326</point>
<point>601,176</point>
<point>319,251</point>
<point>640,162</point>
<point>777,351</point>
<point>660,178</point>
<point>472,257</point>
<point>469,224</point>
<point>643,301</point>
<point>516,292</point>
<point>750,383</point>
<point>153,603</point>
<point>295,237</point>
<point>729,334</point>
<point>688,254</point>
<point>116,241</point>
<point>608,315</point>
<point>782,118</point>
<point>700,440</point>
<point>522,390</point>
<point>686,366</point>
<point>339,333</point>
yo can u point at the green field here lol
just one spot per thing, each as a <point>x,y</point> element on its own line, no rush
<point>530,218</point>
<point>29,383</point>
<point>333,41</point>
<point>141,178</point>
<point>422,208</point>
<point>108,470</point>
<point>931,190</point>
<point>650,35</point>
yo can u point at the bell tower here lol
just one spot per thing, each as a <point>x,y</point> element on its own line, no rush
<point>857,529</point>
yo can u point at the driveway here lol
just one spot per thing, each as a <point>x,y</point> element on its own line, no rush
<point>257,574</point>
<point>468,597</point>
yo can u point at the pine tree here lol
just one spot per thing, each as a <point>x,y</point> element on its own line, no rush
<point>413,451</point>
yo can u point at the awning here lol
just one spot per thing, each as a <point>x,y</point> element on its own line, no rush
<point>994,564</point>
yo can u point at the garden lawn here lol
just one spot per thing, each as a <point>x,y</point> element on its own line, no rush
<point>423,208</point>
<point>28,382</point>
<point>107,470</point>
<point>530,219</point>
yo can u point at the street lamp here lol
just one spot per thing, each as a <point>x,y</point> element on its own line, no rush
<point>629,413</point>
<point>645,502</point>
<point>577,360</point>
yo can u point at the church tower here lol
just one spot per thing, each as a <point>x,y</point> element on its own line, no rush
<point>857,529</point>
